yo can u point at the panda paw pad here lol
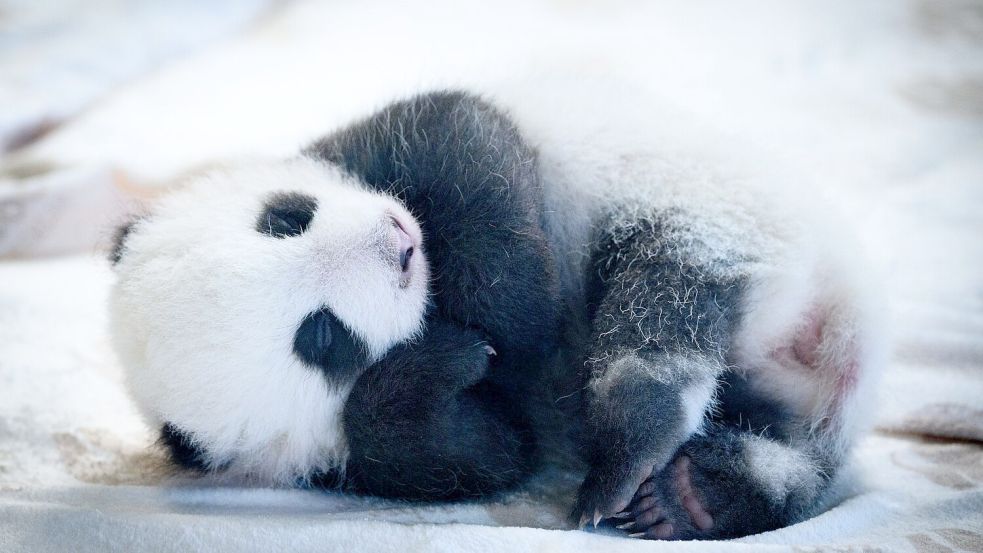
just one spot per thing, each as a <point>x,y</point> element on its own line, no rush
<point>667,506</point>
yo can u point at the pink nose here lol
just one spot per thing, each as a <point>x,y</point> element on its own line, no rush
<point>405,245</point>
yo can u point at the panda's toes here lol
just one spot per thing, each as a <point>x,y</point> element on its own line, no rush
<point>607,490</point>
<point>668,507</point>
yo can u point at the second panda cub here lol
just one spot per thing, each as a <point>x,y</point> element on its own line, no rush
<point>378,310</point>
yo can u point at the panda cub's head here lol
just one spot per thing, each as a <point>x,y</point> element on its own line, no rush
<point>249,301</point>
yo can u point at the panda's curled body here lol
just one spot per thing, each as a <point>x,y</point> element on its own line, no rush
<point>721,343</point>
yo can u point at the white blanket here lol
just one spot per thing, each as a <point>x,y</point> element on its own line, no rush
<point>879,103</point>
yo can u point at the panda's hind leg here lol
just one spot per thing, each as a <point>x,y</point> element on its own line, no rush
<point>778,438</point>
<point>660,326</point>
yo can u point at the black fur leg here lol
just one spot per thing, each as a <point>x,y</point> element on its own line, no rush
<point>423,424</point>
<point>660,331</point>
<point>636,423</point>
<point>719,487</point>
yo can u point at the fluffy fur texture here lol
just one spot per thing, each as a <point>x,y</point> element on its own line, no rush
<point>720,349</point>
<point>695,277</point>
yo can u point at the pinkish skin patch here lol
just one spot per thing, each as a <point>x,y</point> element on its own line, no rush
<point>804,351</point>
<point>684,489</point>
<point>805,347</point>
<point>805,344</point>
<point>649,517</point>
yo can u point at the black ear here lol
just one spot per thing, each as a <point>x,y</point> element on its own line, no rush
<point>119,239</point>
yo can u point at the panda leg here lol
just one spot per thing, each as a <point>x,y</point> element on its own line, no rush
<point>769,458</point>
<point>636,423</point>
<point>660,329</point>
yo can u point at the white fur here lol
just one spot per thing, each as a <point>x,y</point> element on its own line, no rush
<point>779,469</point>
<point>817,283</point>
<point>697,399</point>
<point>205,311</point>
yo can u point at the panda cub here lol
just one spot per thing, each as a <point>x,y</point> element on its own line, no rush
<point>391,310</point>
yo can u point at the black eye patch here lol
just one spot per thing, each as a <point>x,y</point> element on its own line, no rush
<point>323,342</point>
<point>286,214</point>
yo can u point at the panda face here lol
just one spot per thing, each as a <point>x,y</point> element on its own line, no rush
<point>248,303</point>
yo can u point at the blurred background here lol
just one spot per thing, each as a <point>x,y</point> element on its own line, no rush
<point>878,104</point>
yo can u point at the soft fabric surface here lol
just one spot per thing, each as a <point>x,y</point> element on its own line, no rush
<point>879,104</point>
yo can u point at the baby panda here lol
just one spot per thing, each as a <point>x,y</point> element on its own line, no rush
<point>277,323</point>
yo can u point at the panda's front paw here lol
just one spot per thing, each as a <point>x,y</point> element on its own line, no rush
<point>425,424</point>
<point>447,355</point>
<point>444,360</point>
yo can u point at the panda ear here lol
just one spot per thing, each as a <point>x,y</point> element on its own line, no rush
<point>119,238</point>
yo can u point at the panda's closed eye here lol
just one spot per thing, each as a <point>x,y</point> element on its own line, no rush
<point>286,214</point>
<point>323,342</point>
